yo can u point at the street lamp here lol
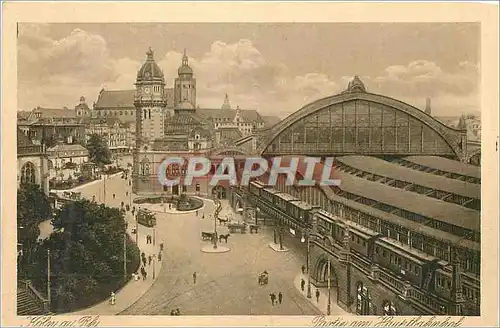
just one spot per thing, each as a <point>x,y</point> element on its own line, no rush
<point>328,306</point>
<point>154,264</point>
<point>215,224</point>
<point>306,239</point>
<point>257,210</point>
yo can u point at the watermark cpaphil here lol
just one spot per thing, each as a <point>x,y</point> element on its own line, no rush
<point>239,170</point>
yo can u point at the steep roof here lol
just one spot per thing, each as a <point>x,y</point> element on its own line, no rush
<point>446,165</point>
<point>269,121</point>
<point>52,113</point>
<point>249,115</point>
<point>125,99</point>
<point>64,147</point>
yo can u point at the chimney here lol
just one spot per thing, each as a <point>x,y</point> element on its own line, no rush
<point>428,106</point>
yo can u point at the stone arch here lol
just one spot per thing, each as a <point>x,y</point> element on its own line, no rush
<point>474,157</point>
<point>389,308</point>
<point>450,139</point>
<point>228,151</point>
<point>328,241</point>
<point>219,192</point>
<point>28,173</point>
<point>364,302</point>
<point>145,167</point>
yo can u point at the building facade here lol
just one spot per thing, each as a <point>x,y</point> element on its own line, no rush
<point>32,163</point>
<point>62,154</point>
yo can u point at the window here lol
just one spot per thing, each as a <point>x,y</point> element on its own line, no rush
<point>28,173</point>
<point>389,308</point>
<point>363,300</point>
<point>145,167</point>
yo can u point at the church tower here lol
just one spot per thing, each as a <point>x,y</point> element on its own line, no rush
<point>150,102</point>
<point>185,84</point>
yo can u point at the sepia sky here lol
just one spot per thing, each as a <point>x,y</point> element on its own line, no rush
<point>275,68</point>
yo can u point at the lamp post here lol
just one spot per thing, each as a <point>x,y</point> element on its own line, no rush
<point>306,239</point>
<point>328,306</point>
<point>280,230</point>
<point>154,265</point>
<point>215,225</point>
<point>48,279</point>
<point>125,256</point>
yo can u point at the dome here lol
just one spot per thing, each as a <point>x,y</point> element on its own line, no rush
<point>184,68</point>
<point>185,106</point>
<point>150,70</point>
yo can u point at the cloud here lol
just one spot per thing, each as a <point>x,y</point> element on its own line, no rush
<point>56,72</point>
<point>81,63</point>
<point>452,92</point>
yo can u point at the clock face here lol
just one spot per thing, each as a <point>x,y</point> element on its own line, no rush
<point>147,90</point>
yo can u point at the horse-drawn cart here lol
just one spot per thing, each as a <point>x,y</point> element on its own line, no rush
<point>207,235</point>
<point>233,227</point>
<point>263,278</point>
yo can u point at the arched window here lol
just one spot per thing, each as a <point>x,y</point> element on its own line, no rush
<point>145,112</point>
<point>145,167</point>
<point>389,308</point>
<point>150,113</point>
<point>363,300</point>
<point>28,173</point>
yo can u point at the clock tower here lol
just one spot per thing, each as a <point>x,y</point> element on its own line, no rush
<point>150,103</point>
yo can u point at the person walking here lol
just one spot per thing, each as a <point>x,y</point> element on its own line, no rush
<point>273,298</point>
<point>302,284</point>
<point>159,256</point>
<point>303,269</point>
<point>317,295</point>
<point>144,260</point>
<point>161,247</point>
<point>112,300</point>
<point>280,297</point>
<point>149,259</point>
<point>114,196</point>
<point>194,277</point>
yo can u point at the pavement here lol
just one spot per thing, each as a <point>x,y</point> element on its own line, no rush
<point>133,290</point>
<point>226,283</point>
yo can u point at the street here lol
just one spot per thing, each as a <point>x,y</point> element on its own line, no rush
<point>226,283</point>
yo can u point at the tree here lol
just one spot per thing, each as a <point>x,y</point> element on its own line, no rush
<point>98,150</point>
<point>33,207</point>
<point>86,255</point>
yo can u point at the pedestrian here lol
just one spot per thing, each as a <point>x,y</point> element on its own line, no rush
<point>159,256</point>
<point>196,212</point>
<point>302,284</point>
<point>149,259</point>
<point>126,193</point>
<point>114,196</point>
<point>273,298</point>
<point>112,300</point>
<point>203,216</point>
<point>303,269</point>
<point>144,260</point>
<point>194,277</point>
<point>161,247</point>
<point>280,297</point>
<point>317,295</point>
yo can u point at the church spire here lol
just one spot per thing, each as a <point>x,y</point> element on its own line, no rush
<point>185,58</point>
<point>226,104</point>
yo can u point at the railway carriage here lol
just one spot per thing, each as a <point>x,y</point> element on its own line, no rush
<point>407,263</point>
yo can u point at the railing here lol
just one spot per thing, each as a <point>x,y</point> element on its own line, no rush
<point>29,150</point>
<point>427,300</point>
<point>361,263</point>
<point>41,302</point>
<point>391,280</point>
